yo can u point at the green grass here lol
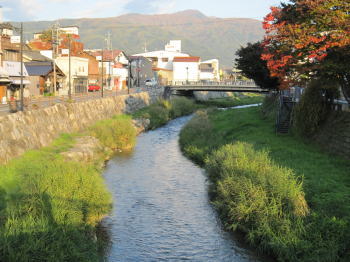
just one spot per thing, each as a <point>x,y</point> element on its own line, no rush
<point>115,133</point>
<point>322,235</point>
<point>50,207</point>
<point>234,100</point>
<point>161,112</point>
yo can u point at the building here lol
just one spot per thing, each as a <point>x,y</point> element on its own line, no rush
<point>79,74</point>
<point>141,70</point>
<point>93,71</point>
<point>4,83</point>
<point>14,72</point>
<point>163,59</point>
<point>186,69</point>
<point>41,77</point>
<point>209,70</point>
<point>173,46</point>
<point>114,65</point>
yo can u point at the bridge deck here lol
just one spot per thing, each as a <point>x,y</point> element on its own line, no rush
<point>238,86</point>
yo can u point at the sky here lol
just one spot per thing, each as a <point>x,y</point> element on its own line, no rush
<point>35,10</point>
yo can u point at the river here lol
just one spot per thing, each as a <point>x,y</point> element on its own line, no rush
<point>161,207</point>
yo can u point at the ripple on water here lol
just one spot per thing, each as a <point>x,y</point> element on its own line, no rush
<point>161,207</point>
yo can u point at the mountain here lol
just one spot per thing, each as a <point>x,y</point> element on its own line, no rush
<point>208,37</point>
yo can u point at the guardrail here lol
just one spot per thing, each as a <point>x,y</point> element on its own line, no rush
<point>39,102</point>
<point>213,83</point>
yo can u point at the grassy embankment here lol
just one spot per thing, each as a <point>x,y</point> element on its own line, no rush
<point>237,99</point>
<point>161,112</point>
<point>291,199</point>
<point>49,206</point>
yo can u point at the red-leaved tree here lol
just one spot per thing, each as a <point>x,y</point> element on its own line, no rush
<point>301,34</point>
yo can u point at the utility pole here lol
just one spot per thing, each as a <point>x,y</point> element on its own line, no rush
<point>22,105</point>
<point>102,87</point>
<point>69,61</point>
<point>53,38</point>
<point>55,43</point>
<point>129,75</point>
<point>109,48</point>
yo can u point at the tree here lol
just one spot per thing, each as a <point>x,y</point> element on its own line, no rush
<point>250,62</point>
<point>300,35</point>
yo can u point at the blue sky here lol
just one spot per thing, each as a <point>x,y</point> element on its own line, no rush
<point>33,10</point>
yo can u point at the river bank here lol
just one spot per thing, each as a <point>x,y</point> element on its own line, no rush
<point>290,198</point>
<point>162,210</point>
<point>51,199</point>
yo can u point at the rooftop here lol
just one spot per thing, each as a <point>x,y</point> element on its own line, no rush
<point>190,59</point>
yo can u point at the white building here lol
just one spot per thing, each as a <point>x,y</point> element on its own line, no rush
<point>163,59</point>
<point>173,46</point>
<point>186,69</point>
<point>209,70</point>
<point>79,74</point>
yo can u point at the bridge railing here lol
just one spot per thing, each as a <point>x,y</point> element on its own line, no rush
<point>239,83</point>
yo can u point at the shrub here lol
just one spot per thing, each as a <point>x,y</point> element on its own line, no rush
<point>313,108</point>
<point>257,196</point>
<point>269,106</point>
<point>181,106</point>
<point>161,112</point>
<point>115,133</point>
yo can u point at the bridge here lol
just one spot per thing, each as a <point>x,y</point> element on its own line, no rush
<point>188,87</point>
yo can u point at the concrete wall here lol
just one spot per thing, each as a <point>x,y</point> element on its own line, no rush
<point>335,134</point>
<point>23,131</point>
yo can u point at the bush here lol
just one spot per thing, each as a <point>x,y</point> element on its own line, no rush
<point>269,106</point>
<point>181,106</point>
<point>161,112</point>
<point>313,108</point>
<point>116,133</point>
<point>255,195</point>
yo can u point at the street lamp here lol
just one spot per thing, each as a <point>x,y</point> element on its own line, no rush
<point>187,74</point>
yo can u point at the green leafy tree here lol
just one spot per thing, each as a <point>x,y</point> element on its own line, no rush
<point>250,62</point>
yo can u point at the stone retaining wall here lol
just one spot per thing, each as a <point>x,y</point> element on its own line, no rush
<point>34,129</point>
<point>335,134</point>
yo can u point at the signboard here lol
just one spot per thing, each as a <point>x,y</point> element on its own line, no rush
<point>65,51</point>
<point>15,39</point>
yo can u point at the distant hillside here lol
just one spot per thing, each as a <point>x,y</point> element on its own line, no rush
<point>208,37</point>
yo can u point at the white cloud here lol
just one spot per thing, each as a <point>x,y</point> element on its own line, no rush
<point>163,7</point>
<point>31,7</point>
<point>100,7</point>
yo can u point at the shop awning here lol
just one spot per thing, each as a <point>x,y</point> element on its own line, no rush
<point>4,76</point>
<point>18,82</point>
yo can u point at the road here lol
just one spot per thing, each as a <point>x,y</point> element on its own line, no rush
<point>50,101</point>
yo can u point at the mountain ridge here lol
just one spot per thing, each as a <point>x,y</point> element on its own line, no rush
<point>208,37</point>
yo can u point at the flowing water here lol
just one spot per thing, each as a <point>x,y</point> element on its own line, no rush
<point>161,206</point>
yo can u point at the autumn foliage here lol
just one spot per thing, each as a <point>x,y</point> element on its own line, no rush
<point>300,35</point>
